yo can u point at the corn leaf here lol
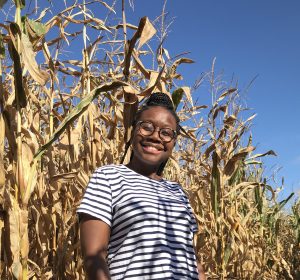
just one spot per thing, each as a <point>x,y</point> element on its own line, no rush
<point>18,79</point>
<point>77,111</point>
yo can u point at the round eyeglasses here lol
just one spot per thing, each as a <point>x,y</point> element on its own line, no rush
<point>147,128</point>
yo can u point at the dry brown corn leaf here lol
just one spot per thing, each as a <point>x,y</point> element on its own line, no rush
<point>161,87</point>
<point>209,149</point>
<point>175,164</point>
<point>268,153</point>
<point>250,118</point>
<point>177,62</point>
<point>92,47</point>
<point>130,108</point>
<point>64,177</point>
<point>24,242</point>
<point>147,32</point>
<point>112,129</point>
<point>13,214</point>
<point>187,92</point>
<point>159,55</point>
<point>144,32</point>
<point>28,57</point>
<point>230,120</point>
<point>232,163</point>
<point>219,109</point>
<point>140,66</point>
<point>27,157</point>
<point>82,178</point>
<point>100,24</point>
<point>18,78</point>
<point>131,26</point>
<point>226,93</point>
<point>154,80</point>
<point>30,139</point>
<point>242,185</point>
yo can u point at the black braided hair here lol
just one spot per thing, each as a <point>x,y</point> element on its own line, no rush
<point>155,99</point>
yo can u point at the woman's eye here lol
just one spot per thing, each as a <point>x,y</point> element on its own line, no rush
<point>147,127</point>
<point>165,132</point>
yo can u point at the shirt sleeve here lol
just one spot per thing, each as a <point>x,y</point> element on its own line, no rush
<point>193,222</point>
<point>97,199</point>
<point>194,225</point>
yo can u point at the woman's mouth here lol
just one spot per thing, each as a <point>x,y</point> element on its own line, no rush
<point>151,149</point>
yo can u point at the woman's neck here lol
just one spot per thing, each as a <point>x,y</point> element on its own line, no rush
<point>148,171</point>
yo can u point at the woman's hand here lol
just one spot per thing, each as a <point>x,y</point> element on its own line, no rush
<point>94,237</point>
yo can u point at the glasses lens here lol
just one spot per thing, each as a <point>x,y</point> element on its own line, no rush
<point>146,128</point>
<point>166,134</point>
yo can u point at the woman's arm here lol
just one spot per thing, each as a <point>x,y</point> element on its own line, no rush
<point>94,237</point>
<point>201,271</point>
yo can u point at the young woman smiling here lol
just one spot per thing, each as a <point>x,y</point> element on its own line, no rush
<point>134,224</point>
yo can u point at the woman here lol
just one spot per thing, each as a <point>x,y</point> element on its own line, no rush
<point>133,223</point>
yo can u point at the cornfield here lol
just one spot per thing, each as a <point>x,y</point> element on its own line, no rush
<point>70,85</point>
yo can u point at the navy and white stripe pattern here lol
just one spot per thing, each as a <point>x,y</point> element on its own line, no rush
<point>151,222</point>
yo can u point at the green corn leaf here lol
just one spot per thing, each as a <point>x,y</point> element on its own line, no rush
<point>258,199</point>
<point>282,203</point>
<point>77,111</point>
<point>227,251</point>
<point>39,28</point>
<point>34,29</point>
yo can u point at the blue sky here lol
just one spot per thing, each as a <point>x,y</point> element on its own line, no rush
<point>248,38</point>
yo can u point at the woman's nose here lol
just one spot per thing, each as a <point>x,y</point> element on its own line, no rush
<point>155,134</point>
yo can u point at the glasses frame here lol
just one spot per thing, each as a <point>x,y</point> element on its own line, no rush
<point>138,124</point>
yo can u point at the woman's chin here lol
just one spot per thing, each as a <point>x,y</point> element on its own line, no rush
<point>149,159</point>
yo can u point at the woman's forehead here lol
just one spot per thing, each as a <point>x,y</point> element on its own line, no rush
<point>158,114</point>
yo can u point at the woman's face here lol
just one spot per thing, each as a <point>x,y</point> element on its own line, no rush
<point>152,150</point>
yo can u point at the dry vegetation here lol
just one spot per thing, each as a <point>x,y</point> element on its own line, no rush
<point>70,84</point>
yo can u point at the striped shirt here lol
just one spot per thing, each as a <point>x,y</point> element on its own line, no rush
<point>151,223</point>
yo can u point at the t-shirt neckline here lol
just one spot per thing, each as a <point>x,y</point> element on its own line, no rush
<point>151,179</point>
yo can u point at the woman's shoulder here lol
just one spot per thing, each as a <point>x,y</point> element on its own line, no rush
<point>172,183</point>
<point>175,185</point>
<point>111,169</point>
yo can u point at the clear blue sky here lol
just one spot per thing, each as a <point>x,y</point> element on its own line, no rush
<point>248,38</point>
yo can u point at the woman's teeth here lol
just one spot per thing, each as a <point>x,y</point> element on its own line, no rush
<point>151,148</point>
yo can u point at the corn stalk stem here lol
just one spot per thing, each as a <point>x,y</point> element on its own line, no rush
<point>22,214</point>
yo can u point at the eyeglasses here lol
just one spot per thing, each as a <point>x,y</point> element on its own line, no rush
<point>147,128</point>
